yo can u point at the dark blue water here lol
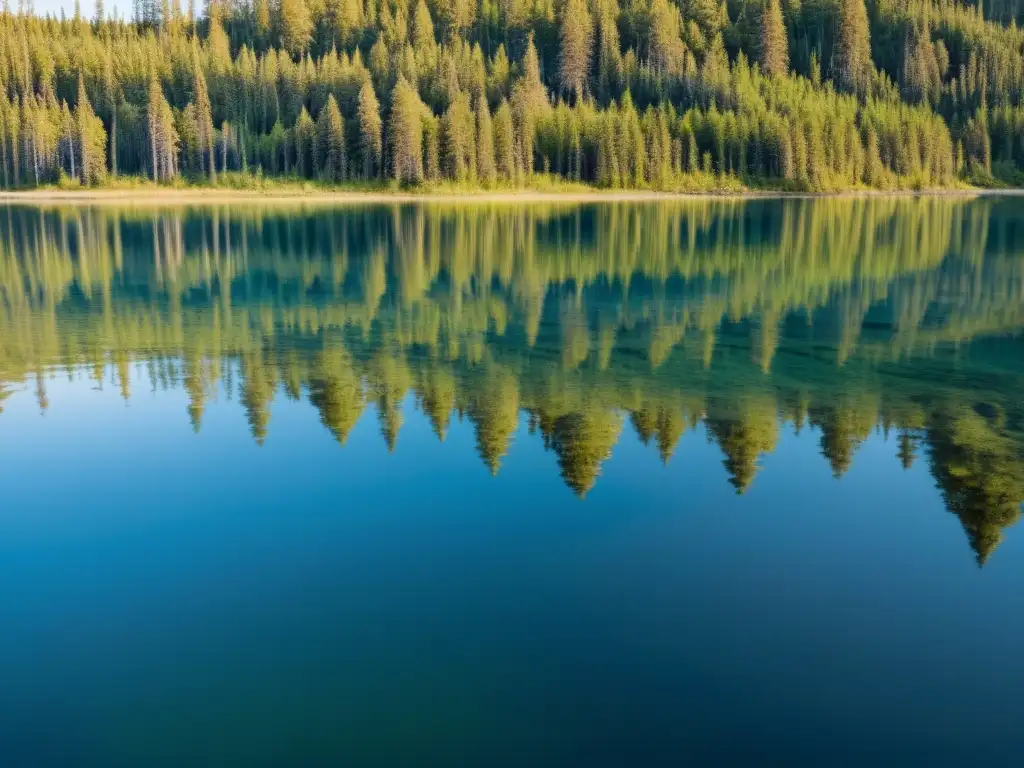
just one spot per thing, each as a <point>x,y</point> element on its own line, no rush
<point>231,535</point>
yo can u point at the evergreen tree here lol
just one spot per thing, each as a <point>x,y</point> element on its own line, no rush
<point>163,136</point>
<point>330,142</point>
<point>305,143</point>
<point>204,118</point>
<point>853,54</point>
<point>774,45</point>
<point>576,33</point>
<point>370,126</point>
<point>459,139</point>
<point>504,142</point>
<point>609,53</point>
<point>485,163</point>
<point>423,40</point>
<point>668,52</point>
<point>405,134</point>
<point>91,139</point>
<point>295,26</point>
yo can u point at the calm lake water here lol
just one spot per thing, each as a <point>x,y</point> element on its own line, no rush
<point>699,482</point>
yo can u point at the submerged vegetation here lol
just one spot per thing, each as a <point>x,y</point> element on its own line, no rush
<point>736,319</point>
<point>648,94</point>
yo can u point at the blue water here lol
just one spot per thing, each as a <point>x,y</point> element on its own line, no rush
<point>179,597</point>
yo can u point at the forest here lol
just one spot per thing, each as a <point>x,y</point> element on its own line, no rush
<point>674,95</point>
<point>738,320</point>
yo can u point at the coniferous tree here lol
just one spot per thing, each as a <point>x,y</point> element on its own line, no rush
<point>853,54</point>
<point>576,33</point>
<point>405,134</point>
<point>485,164</point>
<point>91,139</point>
<point>423,40</point>
<point>163,135</point>
<point>431,145</point>
<point>330,142</point>
<point>609,53</point>
<point>774,45</point>
<point>305,143</point>
<point>529,102</point>
<point>111,98</point>
<point>296,26</point>
<point>204,118</point>
<point>370,127</point>
<point>668,52</point>
<point>261,14</point>
<point>459,137</point>
<point>504,142</point>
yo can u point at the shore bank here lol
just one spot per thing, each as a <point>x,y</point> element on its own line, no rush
<point>215,195</point>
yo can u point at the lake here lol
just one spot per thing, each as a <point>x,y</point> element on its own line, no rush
<point>626,484</point>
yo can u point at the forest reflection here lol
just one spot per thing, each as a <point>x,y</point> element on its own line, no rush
<point>742,318</point>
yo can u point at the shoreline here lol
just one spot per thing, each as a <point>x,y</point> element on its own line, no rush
<point>199,195</point>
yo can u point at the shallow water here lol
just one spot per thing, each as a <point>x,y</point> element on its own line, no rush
<point>711,482</point>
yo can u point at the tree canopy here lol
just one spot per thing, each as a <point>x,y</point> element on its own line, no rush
<point>653,93</point>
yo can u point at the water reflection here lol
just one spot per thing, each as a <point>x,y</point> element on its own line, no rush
<point>845,316</point>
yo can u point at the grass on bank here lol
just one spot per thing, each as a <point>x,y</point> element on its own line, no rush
<point>699,182</point>
<point>292,185</point>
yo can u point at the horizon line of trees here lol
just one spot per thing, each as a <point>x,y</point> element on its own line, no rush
<point>818,94</point>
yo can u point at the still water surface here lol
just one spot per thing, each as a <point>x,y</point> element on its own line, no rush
<point>662,484</point>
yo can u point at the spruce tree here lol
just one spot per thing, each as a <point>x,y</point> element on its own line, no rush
<point>305,142</point>
<point>853,47</point>
<point>576,35</point>
<point>204,117</point>
<point>296,26</point>
<point>91,139</point>
<point>405,134</point>
<point>773,51</point>
<point>423,40</point>
<point>458,131</point>
<point>370,126</point>
<point>163,136</point>
<point>485,165</point>
<point>431,145</point>
<point>609,53</point>
<point>668,52</point>
<point>504,142</point>
<point>330,142</point>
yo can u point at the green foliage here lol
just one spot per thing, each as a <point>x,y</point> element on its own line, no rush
<point>371,147</point>
<point>774,45</point>
<point>406,134</point>
<point>819,95</point>
<point>330,142</point>
<point>576,32</point>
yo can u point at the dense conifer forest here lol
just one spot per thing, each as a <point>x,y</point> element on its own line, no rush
<point>653,94</point>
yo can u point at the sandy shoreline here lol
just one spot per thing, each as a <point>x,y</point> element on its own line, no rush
<point>223,196</point>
